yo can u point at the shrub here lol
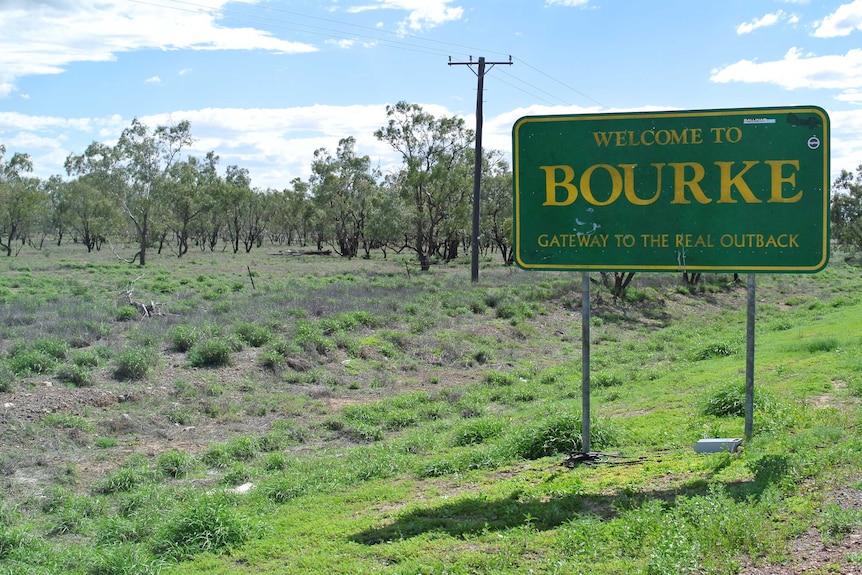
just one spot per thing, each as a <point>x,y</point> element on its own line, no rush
<point>175,463</point>
<point>86,358</point>
<point>558,434</point>
<point>211,352</point>
<point>253,334</point>
<point>76,375</point>
<point>127,313</point>
<point>478,431</point>
<point>32,362</point>
<point>728,400</point>
<point>183,337</point>
<point>11,538</point>
<point>210,523</point>
<point>606,379</point>
<point>56,348</point>
<point>822,344</point>
<point>715,349</point>
<point>123,480</point>
<point>134,363</point>
<point>6,378</point>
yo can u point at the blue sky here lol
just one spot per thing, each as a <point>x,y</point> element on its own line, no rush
<point>265,83</point>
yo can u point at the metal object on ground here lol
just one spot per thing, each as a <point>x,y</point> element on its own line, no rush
<point>717,445</point>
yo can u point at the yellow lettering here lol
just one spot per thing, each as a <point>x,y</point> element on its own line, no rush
<point>616,184</point>
<point>603,139</point>
<point>551,185</point>
<point>629,186</point>
<point>779,179</point>
<point>728,182</point>
<point>680,183</point>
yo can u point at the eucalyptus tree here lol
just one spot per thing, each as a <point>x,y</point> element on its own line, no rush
<point>342,188</point>
<point>298,211</point>
<point>847,209</point>
<point>22,200</point>
<point>496,205</point>
<point>248,211</point>
<point>86,211</point>
<point>190,193</point>
<point>136,171</point>
<point>435,182</point>
<point>385,229</point>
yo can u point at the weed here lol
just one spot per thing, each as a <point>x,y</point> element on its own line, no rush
<point>478,431</point>
<point>728,400</point>
<point>86,358</point>
<point>822,344</point>
<point>211,352</point>
<point>67,421</point>
<point>32,362</point>
<point>6,378</point>
<point>715,349</point>
<point>175,463</point>
<point>209,523</point>
<point>603,379</point>
<point>127,313</point>
<point>835,522</point>
<point>236,475</point>
<point>253,334</point>
<point>12,539</point>
<point>135,362</point>
<point>123,479</point>
<point>183,337</point>
<point>77,375</point>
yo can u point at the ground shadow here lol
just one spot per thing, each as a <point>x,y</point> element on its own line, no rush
<point>478,514</point>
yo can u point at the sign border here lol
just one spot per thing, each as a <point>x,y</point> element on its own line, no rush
<point>826,145</point>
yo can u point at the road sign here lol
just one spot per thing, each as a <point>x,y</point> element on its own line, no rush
<point>734,190</point>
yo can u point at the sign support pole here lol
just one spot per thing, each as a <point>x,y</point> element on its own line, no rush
<point>749,358</point>
<point>585,362</point>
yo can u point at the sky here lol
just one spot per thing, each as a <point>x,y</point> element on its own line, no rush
<point>265,83</point>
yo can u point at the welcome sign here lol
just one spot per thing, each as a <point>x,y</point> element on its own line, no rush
<point>735,190</point>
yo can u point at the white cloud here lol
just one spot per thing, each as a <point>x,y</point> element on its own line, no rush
<point>277,145</point>
<point>763,21</point>
<point>851,97</point>
<point>567,2</point>
<point>845,19</point>
<point>153,80</point>
<point>43,37</point>
<point>423,14</point>
<point>846,141</point>
<point>798,71</point>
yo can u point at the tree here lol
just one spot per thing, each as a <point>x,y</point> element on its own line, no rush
<point>22,200</point>
<point>435,182</point>
<point>342,187</point>
<point>86,211</point>
<point>496,205</point>
<point>847,209</point>
<point>248,211</point>
<point>189,195</point>
<point>136,172</point>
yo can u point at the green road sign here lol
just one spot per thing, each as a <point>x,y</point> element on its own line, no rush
<point>737,190</point>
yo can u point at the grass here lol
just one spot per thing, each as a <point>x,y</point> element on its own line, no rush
<point>414,424</point>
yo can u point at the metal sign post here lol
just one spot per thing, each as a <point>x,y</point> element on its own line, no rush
<point>585,362</point>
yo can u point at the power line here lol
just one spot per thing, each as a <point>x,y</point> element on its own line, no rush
<point>379,37</point>
<point>561,83</point>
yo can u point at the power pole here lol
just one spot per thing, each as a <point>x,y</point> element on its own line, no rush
<point>477,173</point>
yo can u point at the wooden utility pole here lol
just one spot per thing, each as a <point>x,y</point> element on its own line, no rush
<point>477,172</point>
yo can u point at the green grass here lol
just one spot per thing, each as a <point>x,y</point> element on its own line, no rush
<point>393,424</point>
